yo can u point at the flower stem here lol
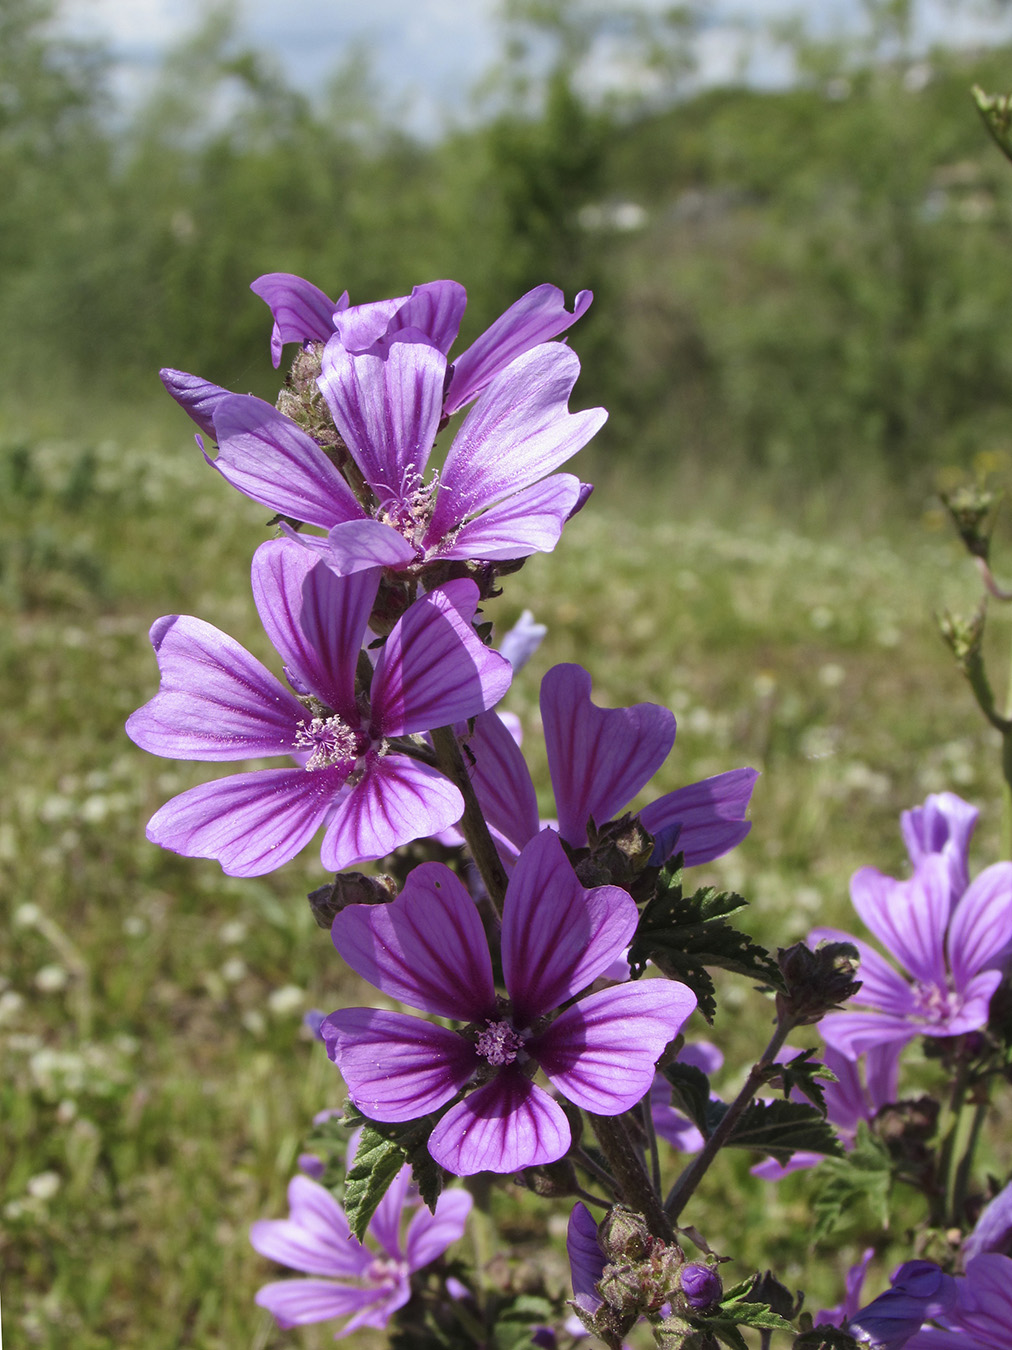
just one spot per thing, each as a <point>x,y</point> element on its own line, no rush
<point>686,1184</point>
<point>629,1172</point>
<point>472,823</point>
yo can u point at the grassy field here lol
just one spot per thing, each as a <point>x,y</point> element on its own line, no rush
<point>157,1082</point>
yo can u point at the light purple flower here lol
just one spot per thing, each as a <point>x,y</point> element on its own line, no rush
<point>431,313</point>
<point>944,824</point>
<point>345,1276</point>
<point>496,497</point>
<point>855,1096</point>
<point>522,640</point>
<point>599,758</point>
<point>952,946</point>
<point>217,702</point>
<point>428,949</point>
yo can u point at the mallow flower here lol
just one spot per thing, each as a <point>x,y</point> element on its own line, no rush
<point>980,1318</point>
<point>598,759</point>
<point>497,496</point>
<point>347,1276</point>
<point>953,947</point>
<point>919,1290</point>
<point>428,949</point>
<point>354,773</point>
<point>433,311</point>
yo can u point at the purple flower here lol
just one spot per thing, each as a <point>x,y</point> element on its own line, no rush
<point>920,1290</point>
<point>346,1276</point>
<point>431,314</point>
<point>980,1317</point>
<point>953,947</point>
<point>428,949</point>
<point>851,1099</point>
<point>586,1259</point>
<point>491,500</point>
<point>599,758</point>
<point>993,1229</point>
<point>944,824</point>
<point>217,702</point>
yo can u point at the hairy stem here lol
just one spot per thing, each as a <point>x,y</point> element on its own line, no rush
<point>472,823</point>
<point>628,1170</point>
<point>686,1184</point>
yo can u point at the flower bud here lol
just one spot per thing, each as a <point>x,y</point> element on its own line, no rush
<point>349,888</point>
<point>815,981</point>
<point>701,1286</point>
<point>624,1235</point>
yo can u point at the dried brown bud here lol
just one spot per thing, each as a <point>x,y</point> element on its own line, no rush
<point>349,888</point>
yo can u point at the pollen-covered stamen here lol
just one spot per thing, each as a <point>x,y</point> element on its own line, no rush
<point>499,1043</point>
<point>331,741</point>
<point>410,512</point>
<point>385,1272</point>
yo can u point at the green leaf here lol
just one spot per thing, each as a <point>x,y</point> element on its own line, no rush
<point>690,1092</point>
<point>781,1128</point>
<point>804,1074</point>
<point>383,1150</point>
<point>683,935</point>
<point>862,1176</point>
<point>745,1314</point>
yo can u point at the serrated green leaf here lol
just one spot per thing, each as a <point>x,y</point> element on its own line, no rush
<point>863,1176</point>
<point>745,1314</point>
<point>781,1128</point>
<point>807,1076</point>
<point>377,1162</point>
<point>683,935</point>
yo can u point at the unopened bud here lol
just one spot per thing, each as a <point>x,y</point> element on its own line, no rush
<point>624,1235</point>
<point>815,981</point>
<point>701,1286</point>
<point>969,506</point>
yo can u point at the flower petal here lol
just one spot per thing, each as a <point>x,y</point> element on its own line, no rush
<point>534,318</point>
<point>598,757</point>
<point>397,1067</point>
<point>198,398</point>
<point>505,1126</point>
<point>251,822</point>
<point>397,800</point>
<point>502,781</point>
<point>944,824</point>
<point>853,1033</point>
<point>709,816</point>
<point>387,407</point>
<point>434,669</point>
<point>301,310</point>
<point>518,432</point>
<point>528,522</point>
<point>910,917</point>
<point>435,309</point>
<point>981,926</point>
<point>297,1303</point>
<point>265,455</point>
<point>315,620</point>
<point>356,545</point>
<point>586,1259</point>
<point>315,1238</point>
<point>427,948</point>
<point>429,1235</point>
<point>602,1052</point>
<point>215,701</point>
<point>557,936</point>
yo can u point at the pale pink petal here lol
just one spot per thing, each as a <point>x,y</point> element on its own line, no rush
<point>396,801</point>
<point>251,822</point>
<point>505,1126</point>
<point>557,936</point>
<point>602,1052</point>
<point>215,701</point>
<point>397,1067</point>
<point>426,949</point>
<point>598,757</point>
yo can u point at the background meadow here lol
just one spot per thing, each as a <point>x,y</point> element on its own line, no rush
<point>800,328</point>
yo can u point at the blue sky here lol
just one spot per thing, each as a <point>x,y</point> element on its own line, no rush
<point>429,54</point>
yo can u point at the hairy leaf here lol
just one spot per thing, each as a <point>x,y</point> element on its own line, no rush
<point>781,1128</point>
<point>862,1176</point>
